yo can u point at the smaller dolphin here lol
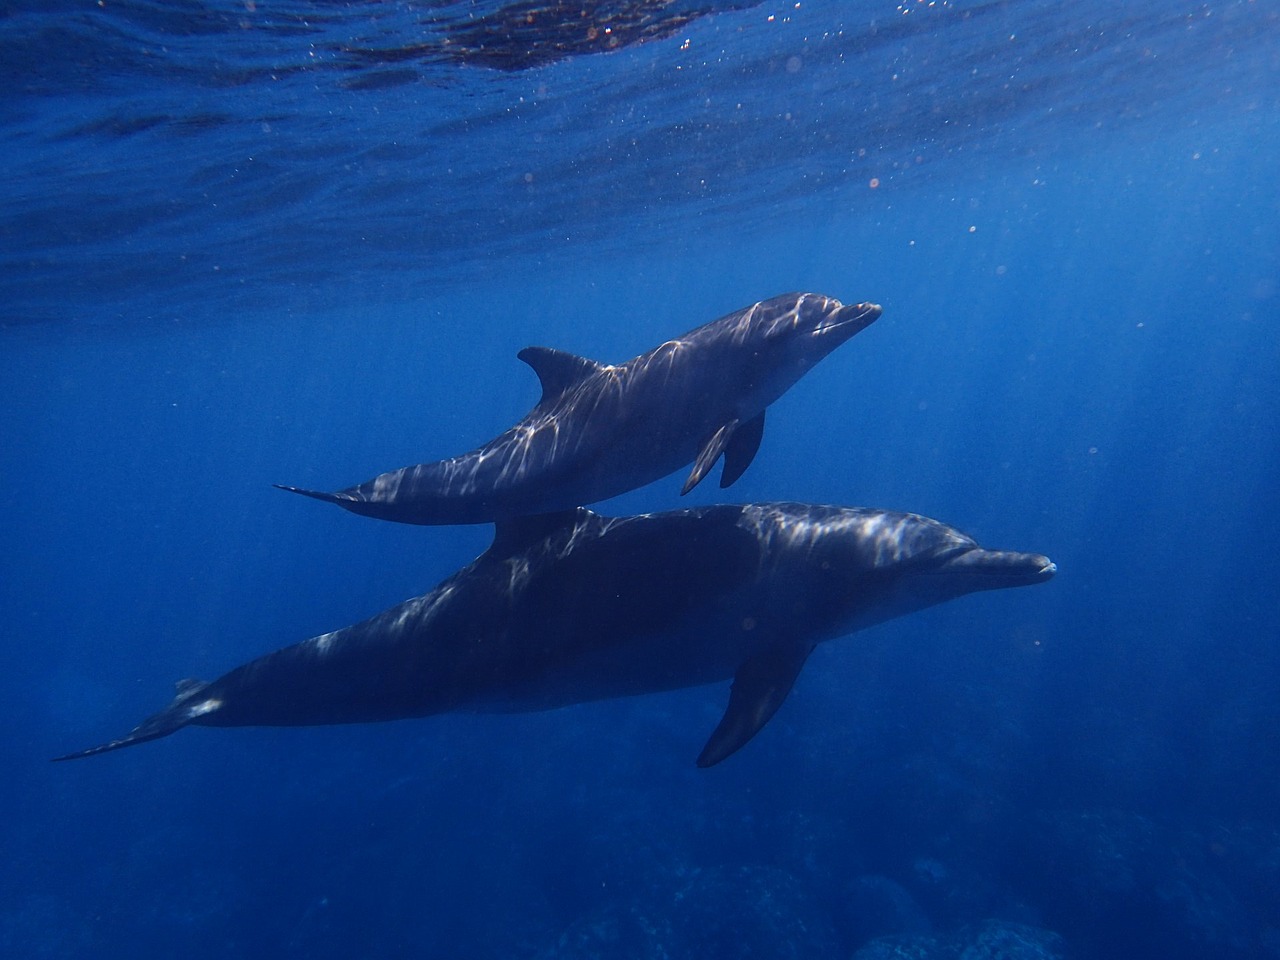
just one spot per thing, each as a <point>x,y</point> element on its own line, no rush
<point>571,607</point>
<point>600,430</point>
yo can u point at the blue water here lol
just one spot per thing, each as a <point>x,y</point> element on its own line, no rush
<point>246,243</point>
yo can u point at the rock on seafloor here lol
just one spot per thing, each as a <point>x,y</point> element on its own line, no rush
<point>990,940</point>
<point>746,912</point>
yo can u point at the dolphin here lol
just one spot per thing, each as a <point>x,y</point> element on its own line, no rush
<point>571,607</point>
<point>600,430</point>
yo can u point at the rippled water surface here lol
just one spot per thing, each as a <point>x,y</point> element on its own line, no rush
<point>235,149</point>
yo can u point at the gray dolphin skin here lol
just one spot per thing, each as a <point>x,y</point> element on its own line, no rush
<point>572,607</point>
<point>599,430</point>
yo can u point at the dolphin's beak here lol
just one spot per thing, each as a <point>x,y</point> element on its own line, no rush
<point>849,318</point>
<point>992,569</point>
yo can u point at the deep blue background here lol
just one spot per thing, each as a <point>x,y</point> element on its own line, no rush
<point>1079,356</point>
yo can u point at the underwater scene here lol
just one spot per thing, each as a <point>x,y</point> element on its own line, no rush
<point>642,479</point>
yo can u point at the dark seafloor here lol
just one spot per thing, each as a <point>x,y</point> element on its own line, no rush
<point>256,242</point>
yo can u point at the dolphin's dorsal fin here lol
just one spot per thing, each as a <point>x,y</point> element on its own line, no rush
<point>519,533</point>
<point>557,370</point>
<point>759,687</point>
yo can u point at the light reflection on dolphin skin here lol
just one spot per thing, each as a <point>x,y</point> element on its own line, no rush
<point>601,430</point>
<point>571,607</point>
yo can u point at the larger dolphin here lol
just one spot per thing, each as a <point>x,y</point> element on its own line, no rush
<point>572,607</point>
<point>601,430</point>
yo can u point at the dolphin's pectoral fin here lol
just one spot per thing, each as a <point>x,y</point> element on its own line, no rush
<point>710,453</point>
<point>741,449</point>
<point>759,687</point>
<point>557,370</point>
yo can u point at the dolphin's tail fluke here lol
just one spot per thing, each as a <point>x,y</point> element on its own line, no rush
<point>341,498</point>
<point>186,706</point>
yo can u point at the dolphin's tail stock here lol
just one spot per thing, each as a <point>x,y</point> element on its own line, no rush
<point>186,706</point>
<point>341,498</point>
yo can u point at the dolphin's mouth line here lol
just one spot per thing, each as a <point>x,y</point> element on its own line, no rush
<point>864,310</point>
